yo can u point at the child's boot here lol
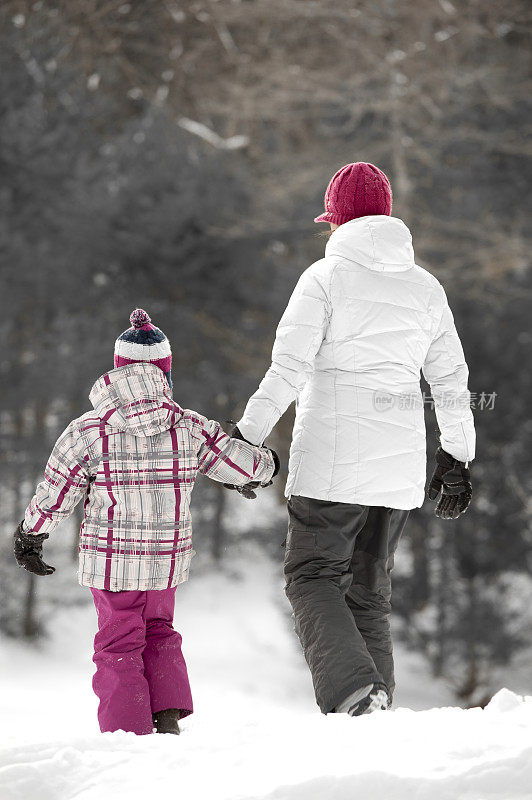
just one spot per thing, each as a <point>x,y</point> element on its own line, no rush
<point>167,721</point>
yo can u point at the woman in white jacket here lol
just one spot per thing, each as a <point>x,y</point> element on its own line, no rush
<point>361,325</point>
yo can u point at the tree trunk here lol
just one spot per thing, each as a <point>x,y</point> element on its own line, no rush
<point>29,623</point>
<point>421,571</point>
<point>402,185</point>
<point>442,600</point>
<point>218,532</point>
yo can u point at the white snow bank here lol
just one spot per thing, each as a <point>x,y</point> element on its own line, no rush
<point>256,732</point>
<point>442,754</point>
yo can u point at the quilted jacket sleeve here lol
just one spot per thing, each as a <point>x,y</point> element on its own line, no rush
<point>446,371</point>
<point>299,336</point>
<point>65,483</point>
<point>231,460</point>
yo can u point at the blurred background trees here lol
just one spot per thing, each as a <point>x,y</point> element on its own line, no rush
<point>172,155</point>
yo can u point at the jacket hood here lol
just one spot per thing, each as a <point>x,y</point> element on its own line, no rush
<point>135,398</point>
<point>377,242</point>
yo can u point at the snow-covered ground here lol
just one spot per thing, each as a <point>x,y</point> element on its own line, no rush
<point>256,731</point>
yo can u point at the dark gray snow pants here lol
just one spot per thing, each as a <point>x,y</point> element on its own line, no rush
<point>338,561</point>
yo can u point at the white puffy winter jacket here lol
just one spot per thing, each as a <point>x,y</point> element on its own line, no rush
<point>360,326</point>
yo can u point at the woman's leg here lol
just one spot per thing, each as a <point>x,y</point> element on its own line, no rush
<point>319,549</point>
<point>119,680</point>
<point>370,592</point>
<point>164,665</point>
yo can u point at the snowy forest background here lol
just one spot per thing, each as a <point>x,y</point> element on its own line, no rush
<point>172,155</point>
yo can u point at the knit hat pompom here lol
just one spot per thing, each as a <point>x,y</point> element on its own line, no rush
<point>138,318</point>
<point>144,342</point>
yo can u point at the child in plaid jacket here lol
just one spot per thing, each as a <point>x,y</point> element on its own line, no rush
<point>134,460</point>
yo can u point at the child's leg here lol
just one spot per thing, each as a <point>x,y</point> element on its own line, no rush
<point>164,665</point>
<point>119,680</point>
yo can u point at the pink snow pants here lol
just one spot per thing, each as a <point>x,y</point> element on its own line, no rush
<point>139,665</point>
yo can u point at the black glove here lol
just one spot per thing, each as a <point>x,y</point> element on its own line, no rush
<point>236,434</point>
<point>452,478</point>
<point>247,490</point>
<point>28,552</point>
<point>276,461</point>
<point>264,485</point>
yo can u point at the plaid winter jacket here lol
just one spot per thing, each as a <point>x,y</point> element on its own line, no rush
<point>134,460</point>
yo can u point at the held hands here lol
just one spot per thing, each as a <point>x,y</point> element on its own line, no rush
<point>452,478</point>
<point>247,490</point>
<point>28,552</point>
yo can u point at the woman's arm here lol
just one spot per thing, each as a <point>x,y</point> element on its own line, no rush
<point>298,339</point>
<point>445,369</point>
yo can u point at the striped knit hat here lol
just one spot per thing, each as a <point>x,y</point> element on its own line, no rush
<point>144,342</point>
<point>356,190</point>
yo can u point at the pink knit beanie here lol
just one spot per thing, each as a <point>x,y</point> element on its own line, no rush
<point>357,190</point>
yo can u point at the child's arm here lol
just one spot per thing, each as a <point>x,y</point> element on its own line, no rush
<point>66,479</point>
<point>230,460</point>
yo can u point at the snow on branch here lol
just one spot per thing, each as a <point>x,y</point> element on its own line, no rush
<point>210,136</point>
